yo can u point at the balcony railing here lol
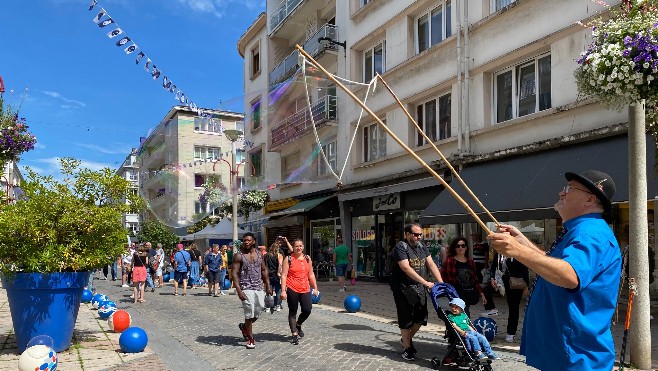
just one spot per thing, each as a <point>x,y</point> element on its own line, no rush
<point>289,65</point>
<point>299,123</point>
<point>285,8</point>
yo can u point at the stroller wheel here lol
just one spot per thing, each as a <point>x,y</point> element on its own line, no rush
<point>436,363</point>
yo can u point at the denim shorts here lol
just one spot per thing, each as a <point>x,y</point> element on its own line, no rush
<point>341,270</point>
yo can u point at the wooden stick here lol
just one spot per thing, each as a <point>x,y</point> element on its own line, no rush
<point>402,144</point>
<point>452,169</point>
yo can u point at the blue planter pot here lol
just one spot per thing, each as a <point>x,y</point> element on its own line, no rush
<point>45,304</point>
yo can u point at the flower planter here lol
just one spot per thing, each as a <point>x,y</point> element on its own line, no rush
<point>45,304</point>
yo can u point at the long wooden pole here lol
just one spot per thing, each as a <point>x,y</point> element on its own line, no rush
<point>400,142</point>
<point>452,169</point>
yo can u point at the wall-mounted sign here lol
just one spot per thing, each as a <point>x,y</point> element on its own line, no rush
<point>386,202</point>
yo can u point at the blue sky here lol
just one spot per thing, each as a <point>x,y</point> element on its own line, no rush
<point>86,98</point>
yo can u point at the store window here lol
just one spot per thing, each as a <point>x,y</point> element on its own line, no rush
<point>363,236</point>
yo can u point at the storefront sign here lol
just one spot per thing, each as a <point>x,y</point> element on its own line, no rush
<point>363,235</point>
<point>386,202</point>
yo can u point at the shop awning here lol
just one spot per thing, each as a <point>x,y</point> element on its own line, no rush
<point>301,207</point>
<point>525,187</point>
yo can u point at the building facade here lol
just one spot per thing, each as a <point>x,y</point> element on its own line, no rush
<point>181,155</point>
<point>129,170</point>
<point>489,82</point>
<point>10,181</point>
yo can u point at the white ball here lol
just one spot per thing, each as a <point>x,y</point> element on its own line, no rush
<point>38,357</point>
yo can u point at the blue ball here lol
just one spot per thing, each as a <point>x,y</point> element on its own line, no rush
<point>226,284</point>
<point>86,296</point>
<point>166,277</point>
<point>315,299</point>
<point>98,300</point>
<point>352,303</point>
<point>106,311</point>
<point>487,327</point>
<point>108,303</point>
<point>133,340</point>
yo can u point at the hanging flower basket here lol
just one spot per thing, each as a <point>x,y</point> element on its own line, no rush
<point>620,66</point>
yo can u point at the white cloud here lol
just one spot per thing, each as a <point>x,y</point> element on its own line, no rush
<point>112,150</point>
<point>68,103</point>
<point>51,166</point>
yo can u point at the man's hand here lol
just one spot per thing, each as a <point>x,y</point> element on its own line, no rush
<point>428,284</point>
<point>505,243</point>
<point>241,295</point>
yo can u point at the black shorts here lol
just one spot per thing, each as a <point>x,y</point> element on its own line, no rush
<point>180,276</point>
<point>213,276</point>
<point>409,315</point>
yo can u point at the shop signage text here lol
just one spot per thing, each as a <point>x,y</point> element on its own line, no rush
<point>386,202</point>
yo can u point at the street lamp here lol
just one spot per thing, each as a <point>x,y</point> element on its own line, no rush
<point>233,136</point>
<point>326,41</point>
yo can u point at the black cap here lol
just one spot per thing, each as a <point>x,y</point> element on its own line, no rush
<point>597,182</point>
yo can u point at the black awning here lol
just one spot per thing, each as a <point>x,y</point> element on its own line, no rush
<point>525,187</point>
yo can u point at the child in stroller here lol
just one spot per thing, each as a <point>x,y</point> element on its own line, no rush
<point>459,352</point>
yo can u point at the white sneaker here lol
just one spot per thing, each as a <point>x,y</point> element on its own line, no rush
<point>342,289</point>
<point>277,308</point>
<point>491,312</point>
<point>222,293</point>
<point>509,338</point>
<point>124,285</point>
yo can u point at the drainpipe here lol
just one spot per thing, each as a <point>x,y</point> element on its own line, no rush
<point>459,76</point>
<point>466,124</point>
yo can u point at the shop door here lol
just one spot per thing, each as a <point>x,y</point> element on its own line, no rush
<point>389,232</point>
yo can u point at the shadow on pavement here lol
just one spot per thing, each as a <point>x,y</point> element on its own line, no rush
<point>353,327</point>
<point>221,340</point>
<point>393,355</point>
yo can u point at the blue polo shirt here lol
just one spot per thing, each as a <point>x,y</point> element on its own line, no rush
<point>570,329</point>
<point>181,258</point>
<point>214,262</point>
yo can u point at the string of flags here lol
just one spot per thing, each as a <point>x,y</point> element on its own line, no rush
<point>103,20</point>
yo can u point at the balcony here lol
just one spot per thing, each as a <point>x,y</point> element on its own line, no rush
<point>290,64</point>
<point>282,12</point>
<point>299,123</point>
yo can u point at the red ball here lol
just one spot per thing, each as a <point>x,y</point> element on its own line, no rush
<point>119,321</point>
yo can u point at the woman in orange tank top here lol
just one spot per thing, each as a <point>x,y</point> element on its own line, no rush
<point>297,277</point>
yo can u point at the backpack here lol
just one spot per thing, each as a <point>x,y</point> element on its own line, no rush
<point>308,259</point>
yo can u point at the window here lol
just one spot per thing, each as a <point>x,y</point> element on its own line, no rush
<point>239,155</point>
<point>497,5</point>
<point>374,142</point>
<point>255,60</point>
<point>434,26</point>
<point>208,124</point>
<point>523,89</point>
<point>436,127</point>
<point>203,153</point>
<point>330,152</point>
<point>374,61</point>
<point>363,3</point>
<point>199,180</point>
<point>255,157</point>
<point>255,114</point>
<point>197,207</point>
<point>289,164</point>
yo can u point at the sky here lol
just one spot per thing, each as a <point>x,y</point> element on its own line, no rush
<point>84,97</point>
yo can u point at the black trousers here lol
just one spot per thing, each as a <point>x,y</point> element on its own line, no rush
<point>296,300</point>
<point>514,298</point>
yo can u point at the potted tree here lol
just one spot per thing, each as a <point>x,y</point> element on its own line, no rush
<point>52,236</point>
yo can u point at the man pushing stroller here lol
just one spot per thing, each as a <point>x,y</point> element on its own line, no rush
<point>475,342</point>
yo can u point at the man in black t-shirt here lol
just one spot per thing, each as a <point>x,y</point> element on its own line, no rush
<point>413,262</point>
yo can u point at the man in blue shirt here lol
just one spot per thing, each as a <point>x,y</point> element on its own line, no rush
<point>182,261</point>
<point>570,309</point>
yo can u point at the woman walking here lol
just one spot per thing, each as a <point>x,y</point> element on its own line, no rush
<point>274,264</point>
<point>459,271</point>
<point>296,278</point>
<point>140,261</point>
<point>195,257</point>
<point>516,279</point>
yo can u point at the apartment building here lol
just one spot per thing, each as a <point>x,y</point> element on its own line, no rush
<point>490,82</point>
<point>10,181</point>
<point>129,170</point>
<point>179,156</point>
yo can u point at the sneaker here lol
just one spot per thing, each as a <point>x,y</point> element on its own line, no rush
<point>509,338</point>
<point>300,332</point>
<point>481,356</point>
<point>243,330</point>
<point>277,308</point>
<point>492,356</point>
<point>411,343</point>
<point>222,293</point>
<point>124,285</point>
<point>408,355</point>
<point>251,344</point>
<point>152,289</point>
<point>342,289</point>
<point>280,306</point>
<point>295,340</point>
<point>490,312</point>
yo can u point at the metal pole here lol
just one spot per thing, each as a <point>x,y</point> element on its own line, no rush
<point>234,182</point>
<point>640,337</point>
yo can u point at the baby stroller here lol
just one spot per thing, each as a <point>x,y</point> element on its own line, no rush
<point>457,353</point>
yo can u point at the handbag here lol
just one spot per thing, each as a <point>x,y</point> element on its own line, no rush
<point>517,283</point>
<point>413,294</point>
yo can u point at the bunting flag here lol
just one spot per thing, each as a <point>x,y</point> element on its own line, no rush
<point>106,22</point>
<point>114,33</point>
<point>149,66</point>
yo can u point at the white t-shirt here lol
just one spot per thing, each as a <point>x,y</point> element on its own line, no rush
<point>160,254</point>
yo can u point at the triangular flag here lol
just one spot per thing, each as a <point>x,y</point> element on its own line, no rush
<point>114,33</point>
<point>98,16</point>
<point>92,5</point>
<point>130,49</point>
<point>123,41</point>
<point>139,57</point>
<point>106,22</point>
<point>155,73</point>
<point>148,64</point>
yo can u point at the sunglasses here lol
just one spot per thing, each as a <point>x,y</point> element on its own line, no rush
<point>416,234</point>
<point>460,245</point>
